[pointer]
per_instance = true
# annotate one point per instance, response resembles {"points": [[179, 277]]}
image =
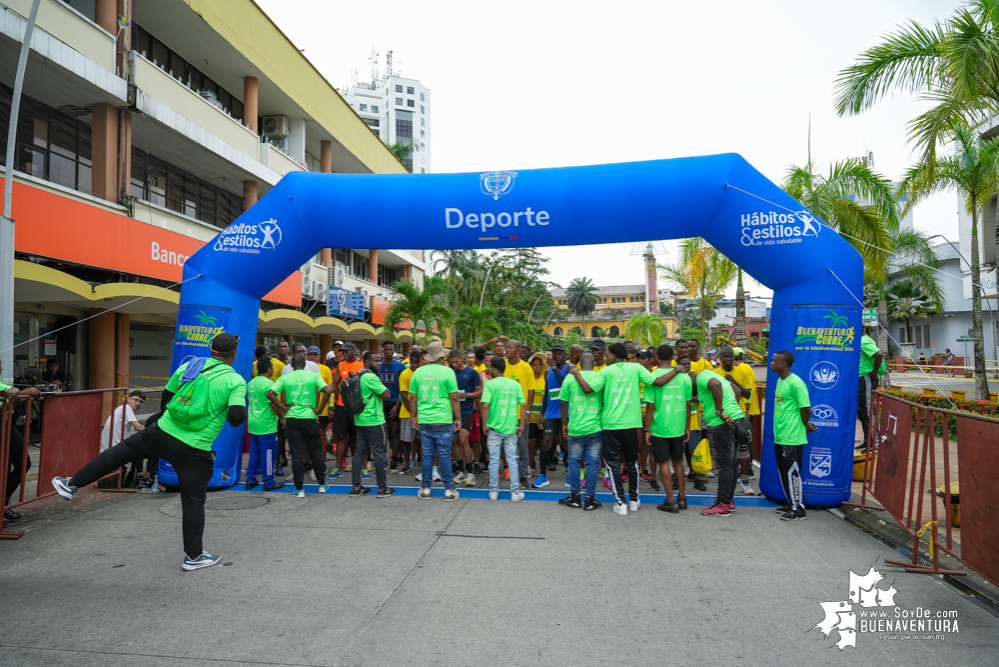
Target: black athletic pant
{"points": [[304, 433], [721, 438], [193, 467], [789, 459], [16, 454], [864, 389], [372, 442], [622, 444]]}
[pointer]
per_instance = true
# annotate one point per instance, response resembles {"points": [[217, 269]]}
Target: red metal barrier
{"points": [[896, 471], [6, 423]]}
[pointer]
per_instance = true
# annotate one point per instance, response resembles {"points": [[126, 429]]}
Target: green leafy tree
{"points": [[405, 150], [428, 305], [476, 325], [646, 328], [666, 309], [907, 302], [699, 256], [581, 297], [704, 276], [973, 170]]}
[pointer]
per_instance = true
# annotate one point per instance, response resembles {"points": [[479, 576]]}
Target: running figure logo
{"points": [[810, 225], [496, 183], [269, 229]]}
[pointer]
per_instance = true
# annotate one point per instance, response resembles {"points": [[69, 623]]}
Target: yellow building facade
{"points": [[616, 304]]}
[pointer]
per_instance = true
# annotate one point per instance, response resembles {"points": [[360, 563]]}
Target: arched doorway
{"points": [[613, 332]]}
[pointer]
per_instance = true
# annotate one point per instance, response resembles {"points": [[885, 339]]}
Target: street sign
{"points": [[870, 314], [965, 339], [344, 303]]}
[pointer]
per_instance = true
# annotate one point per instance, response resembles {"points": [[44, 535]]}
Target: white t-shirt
{"points": [[310, 366], [116, 420]]}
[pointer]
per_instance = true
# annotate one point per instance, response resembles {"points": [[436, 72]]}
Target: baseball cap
{"points": [[225, 343], [737, 351], [312, 350], [558, 347], [435, 351], [339, 342], [598, 345], [330, 355], [348, 346]]}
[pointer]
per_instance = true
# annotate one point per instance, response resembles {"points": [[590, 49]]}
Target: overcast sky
{"points": [[545, 83]]}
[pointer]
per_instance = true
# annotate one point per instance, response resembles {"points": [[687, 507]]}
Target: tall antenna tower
{"points": [[388, 64], [373, 59]]}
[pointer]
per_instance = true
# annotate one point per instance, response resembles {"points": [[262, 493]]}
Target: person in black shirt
{"points": [[53, 375]]}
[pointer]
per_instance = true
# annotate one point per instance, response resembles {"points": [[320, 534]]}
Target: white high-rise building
{"points": [[397, 109]]}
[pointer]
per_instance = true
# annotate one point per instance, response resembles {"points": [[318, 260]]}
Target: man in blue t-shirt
{"points": [[551, 411], [469, 390], [388, 374]]}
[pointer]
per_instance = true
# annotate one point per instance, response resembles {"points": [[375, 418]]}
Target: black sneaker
{"points": [[524, 483], [681, 503], [667, 506], [357, 493], [63, 487], [781, 509], [552, 466], [571, 500], [252, 483], [204, 560], [654, 485], [385, 493], [274, 487], [793, 515], [10, 516], [699, 485], [477, 469], [591, 503]]}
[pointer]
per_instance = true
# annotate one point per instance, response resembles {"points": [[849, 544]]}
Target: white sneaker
{"points": [[451, 495], [312, 475], [711, 473], [746, 488], [419, 477], [517, 496], [621, 509], [469, 479], [494, 495], [634, 505], [459, 478], [424, 494], [437, 476]]}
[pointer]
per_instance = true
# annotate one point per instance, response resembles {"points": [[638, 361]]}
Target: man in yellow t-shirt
{"points": [[521, 372], [261, 351], [408, 449], [598, 349]]}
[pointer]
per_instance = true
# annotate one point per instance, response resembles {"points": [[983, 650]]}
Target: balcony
{"points": [[72, 28], [192, 115], [274, 159]]}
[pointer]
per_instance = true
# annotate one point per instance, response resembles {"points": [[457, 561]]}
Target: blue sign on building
{"points": [[344, 303]]}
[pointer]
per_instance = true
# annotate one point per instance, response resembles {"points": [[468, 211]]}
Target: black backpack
{"points": [[350, 392]]}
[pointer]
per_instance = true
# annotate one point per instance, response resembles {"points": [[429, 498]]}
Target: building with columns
{"points": [[146, 127]]}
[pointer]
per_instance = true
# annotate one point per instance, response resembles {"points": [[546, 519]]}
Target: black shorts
{"points": [[553, 426], [387, 408], [534, 432], [343, 421], [466, 422], [667, 449], [324, 421]]}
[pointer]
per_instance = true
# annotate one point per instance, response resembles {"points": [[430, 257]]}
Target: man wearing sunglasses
{"points": [[208, 394]]}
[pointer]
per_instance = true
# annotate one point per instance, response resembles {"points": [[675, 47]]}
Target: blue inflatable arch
{"points": [[812, 271]]}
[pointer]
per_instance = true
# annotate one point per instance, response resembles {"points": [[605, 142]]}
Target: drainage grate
{"points": [[235, 503]]}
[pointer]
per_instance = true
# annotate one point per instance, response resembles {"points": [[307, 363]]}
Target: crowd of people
{"points": [[604, 412]]}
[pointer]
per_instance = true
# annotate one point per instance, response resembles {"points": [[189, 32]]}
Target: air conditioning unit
{"points": [[322, 291], [276, 127], [308, 287], [337, 273]]}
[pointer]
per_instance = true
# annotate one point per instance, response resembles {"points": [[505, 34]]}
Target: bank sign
{"points": [[344, 303], [824, 342]]}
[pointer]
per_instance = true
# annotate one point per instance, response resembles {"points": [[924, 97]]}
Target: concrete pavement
{"points": [[329, 580]]}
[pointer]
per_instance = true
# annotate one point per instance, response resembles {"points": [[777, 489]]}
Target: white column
{"points": [[296, 141]]}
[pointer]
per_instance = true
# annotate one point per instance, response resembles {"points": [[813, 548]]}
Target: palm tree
{"points": [[974, 171], [404, 150], [647, 329], [475, 324], [698, 255], [952, 64], [462, 269], [907, 302], [704, 276], [581, 296], [428, 305]]}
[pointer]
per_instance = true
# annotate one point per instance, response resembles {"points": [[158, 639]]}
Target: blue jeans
{"points": [[263, 451], [508, 441], [587, 446], [437, 441]]}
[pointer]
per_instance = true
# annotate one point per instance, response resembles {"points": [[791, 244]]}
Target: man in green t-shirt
{"points": [[582, 428], [792, 415], [500, 406], [720, 409], [222, 394], [263, 427], [871, 359], [667, 424], [306, 395], [372, 437], [433, 394]]}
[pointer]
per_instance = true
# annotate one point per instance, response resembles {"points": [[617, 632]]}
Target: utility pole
{"points": [[7, 223]]}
